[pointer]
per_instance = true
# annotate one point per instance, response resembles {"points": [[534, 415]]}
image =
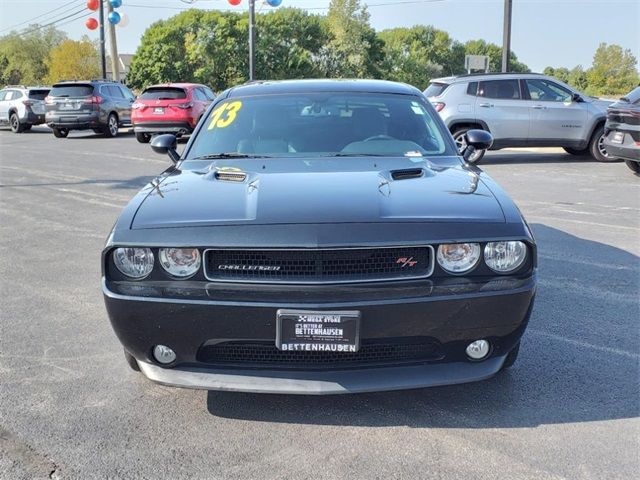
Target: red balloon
{"points": [[235, 2], [93, 4], [91, 23]]}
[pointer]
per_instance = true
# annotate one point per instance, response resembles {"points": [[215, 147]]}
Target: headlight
{"points": [[134, 262], [180, 262], [505, 257], [458, 257]]}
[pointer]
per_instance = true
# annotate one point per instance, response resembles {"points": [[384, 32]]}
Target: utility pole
{"points": [[103, 58], [113, 49], [252, 39], [506, 36]]}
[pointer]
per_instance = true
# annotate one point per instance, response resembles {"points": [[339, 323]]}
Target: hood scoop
{"points": [[407, 173], [229, 174]]}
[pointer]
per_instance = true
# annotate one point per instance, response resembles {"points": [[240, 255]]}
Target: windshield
{"points": [[322, 124], [38, 94], [163, 93], [67, 90], [435, 89]]}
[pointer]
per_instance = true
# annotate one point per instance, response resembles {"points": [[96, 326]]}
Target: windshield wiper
{"points": [[213, 156], [347, 154]]}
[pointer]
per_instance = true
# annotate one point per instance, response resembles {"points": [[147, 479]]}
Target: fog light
{"points": [[164, 354], [478, 350]]}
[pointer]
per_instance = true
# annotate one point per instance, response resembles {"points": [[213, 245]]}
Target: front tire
{"points": [[133, 363], [111, 129], [575, 151], [60, 132], [461, 143], [633, 166], [511, 357], [143, 137], [16, 126], [596, 147]]}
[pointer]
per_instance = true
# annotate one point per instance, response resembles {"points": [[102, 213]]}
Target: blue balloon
{"points": [[114, 17], [115, 4], [274, 3]]}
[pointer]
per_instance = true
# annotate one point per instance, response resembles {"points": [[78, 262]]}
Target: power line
{"points": [[40, 27], [42, 15]]}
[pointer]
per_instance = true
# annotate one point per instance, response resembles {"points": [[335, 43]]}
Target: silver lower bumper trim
{"points": [[324, 382]]}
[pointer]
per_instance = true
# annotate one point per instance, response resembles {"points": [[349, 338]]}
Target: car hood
{"points": [[323, 190]]}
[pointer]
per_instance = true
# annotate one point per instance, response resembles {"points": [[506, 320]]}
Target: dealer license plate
{"points": [[158, 110], [617, 137], [309, 331]]}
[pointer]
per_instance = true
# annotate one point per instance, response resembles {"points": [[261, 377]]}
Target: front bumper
{"points": [[445, 316], [324, 382]]}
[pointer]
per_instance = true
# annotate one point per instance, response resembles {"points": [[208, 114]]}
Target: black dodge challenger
{"points": [[320, 237]]}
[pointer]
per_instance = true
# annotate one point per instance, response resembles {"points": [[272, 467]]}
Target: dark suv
{"points": [[99, 105]]}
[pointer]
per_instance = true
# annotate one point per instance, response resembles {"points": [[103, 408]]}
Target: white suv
{"points": [[22, 107], [521, 110]]}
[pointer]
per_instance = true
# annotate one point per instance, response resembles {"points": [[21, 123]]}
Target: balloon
{"points": [[235, 2], [115, 3], [274, 3], [93, 4], [114, 17], [91, 23], [124, 20]]}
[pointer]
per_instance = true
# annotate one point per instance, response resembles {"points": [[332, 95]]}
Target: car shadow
{"points": [[129, 183], [90, 135], [491, 158], [579, 360]]}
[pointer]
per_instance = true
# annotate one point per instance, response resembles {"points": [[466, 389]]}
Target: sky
{"points": [[544, 33]]}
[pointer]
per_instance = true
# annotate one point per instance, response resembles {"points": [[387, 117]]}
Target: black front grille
{"points": [[265, 354], [319, 266]]}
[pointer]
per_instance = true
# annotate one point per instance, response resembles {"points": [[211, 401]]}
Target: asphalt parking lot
{"points": [[71, 408]]}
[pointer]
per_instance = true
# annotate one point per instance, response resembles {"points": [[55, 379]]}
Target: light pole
{"points": [[252, 40], [506, 36], [103, 59]]}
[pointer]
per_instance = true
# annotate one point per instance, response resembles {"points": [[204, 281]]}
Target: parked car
{"points": [[521, 110], [98, 105], [622, 130], [170, 108], [316, 237], [22, 107]]}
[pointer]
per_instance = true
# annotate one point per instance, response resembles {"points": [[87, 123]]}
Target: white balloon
{"points": [[124, 20]]}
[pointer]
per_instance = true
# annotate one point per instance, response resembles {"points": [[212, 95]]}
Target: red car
{"points": [[169, 108]]}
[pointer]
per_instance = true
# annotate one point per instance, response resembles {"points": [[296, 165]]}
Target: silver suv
{"points": [[521, 110], [22, 107]]}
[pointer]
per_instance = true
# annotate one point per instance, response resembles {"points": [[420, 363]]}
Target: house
{"points": [[124, 61]]}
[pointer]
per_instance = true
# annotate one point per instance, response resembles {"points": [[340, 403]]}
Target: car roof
{"points": [[481, 76], [271, 87], [176, 84]]}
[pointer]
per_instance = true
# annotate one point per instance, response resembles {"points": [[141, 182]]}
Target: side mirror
{"points": [[575, 97], [166, 145], [476, 140]]}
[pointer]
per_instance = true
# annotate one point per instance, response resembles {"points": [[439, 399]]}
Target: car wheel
{"points": [[143, 137], [511, 357], [633, 166], [575, 151], [27, 127], [60, 132], [111, 129], [133, 363], [461, 144], [597, 149], [16, 126]]}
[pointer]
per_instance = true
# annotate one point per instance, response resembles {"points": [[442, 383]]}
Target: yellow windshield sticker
{"points": [[225, 115]]}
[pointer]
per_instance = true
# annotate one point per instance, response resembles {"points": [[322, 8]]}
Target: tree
{"points": [[290, 44], [415, 55], [561, 73], [73, 59], [613, 71], [494, 52], [23, 54], [354, 50]]}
